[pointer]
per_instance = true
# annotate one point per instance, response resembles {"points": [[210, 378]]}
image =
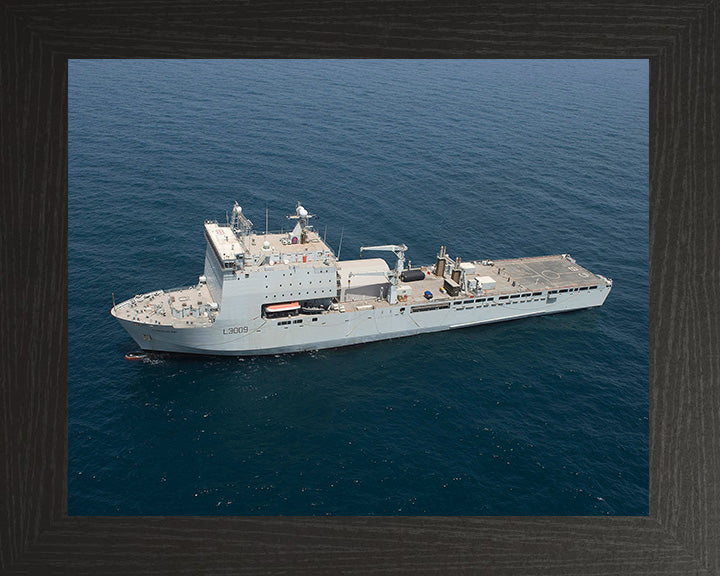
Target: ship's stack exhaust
{"points": [[457, 271], [440, 262]]}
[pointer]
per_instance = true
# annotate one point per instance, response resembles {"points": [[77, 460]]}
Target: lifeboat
{"points": [[287, 307]]}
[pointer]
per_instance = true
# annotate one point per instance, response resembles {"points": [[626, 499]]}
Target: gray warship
{"points": [[288, 292]]}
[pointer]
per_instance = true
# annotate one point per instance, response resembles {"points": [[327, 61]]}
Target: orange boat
{"points": [[287, 307]]}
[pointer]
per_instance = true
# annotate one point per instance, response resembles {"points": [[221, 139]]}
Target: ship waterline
{"points": [[279, 293]]}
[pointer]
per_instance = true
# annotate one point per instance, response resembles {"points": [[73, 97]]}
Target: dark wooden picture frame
{"points": [[681, 535]]}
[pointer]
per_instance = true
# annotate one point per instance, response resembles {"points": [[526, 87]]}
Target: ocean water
{"points": [[494, 159]]}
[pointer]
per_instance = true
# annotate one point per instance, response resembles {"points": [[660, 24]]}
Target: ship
{"points": [[285, 292]]}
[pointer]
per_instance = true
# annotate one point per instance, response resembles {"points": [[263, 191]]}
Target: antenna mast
{"points": [[302, 216], [239, 222], [341, 237]]}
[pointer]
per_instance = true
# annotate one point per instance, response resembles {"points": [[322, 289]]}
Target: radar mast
{"points": [[299, 233], [239, 223]]}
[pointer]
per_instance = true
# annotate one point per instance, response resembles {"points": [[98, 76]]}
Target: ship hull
{"points": [[336, 329]]}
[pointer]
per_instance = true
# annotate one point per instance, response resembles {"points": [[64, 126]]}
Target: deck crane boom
{"points": [[394, 276]]}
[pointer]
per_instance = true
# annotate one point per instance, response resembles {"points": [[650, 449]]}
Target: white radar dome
{"points": [[237, 209], [266, 245], [302, 212]]}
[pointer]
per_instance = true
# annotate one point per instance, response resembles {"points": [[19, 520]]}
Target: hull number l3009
{"points": [[236, 330]]}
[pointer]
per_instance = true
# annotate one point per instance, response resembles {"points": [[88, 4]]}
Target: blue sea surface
{"points": [[494, 159]]}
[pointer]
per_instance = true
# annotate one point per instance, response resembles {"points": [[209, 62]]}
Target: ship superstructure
{"points": [[287, 292]]}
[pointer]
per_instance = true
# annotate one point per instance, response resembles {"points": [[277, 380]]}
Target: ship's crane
{"points": [[394, 276], [379, 273]]}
